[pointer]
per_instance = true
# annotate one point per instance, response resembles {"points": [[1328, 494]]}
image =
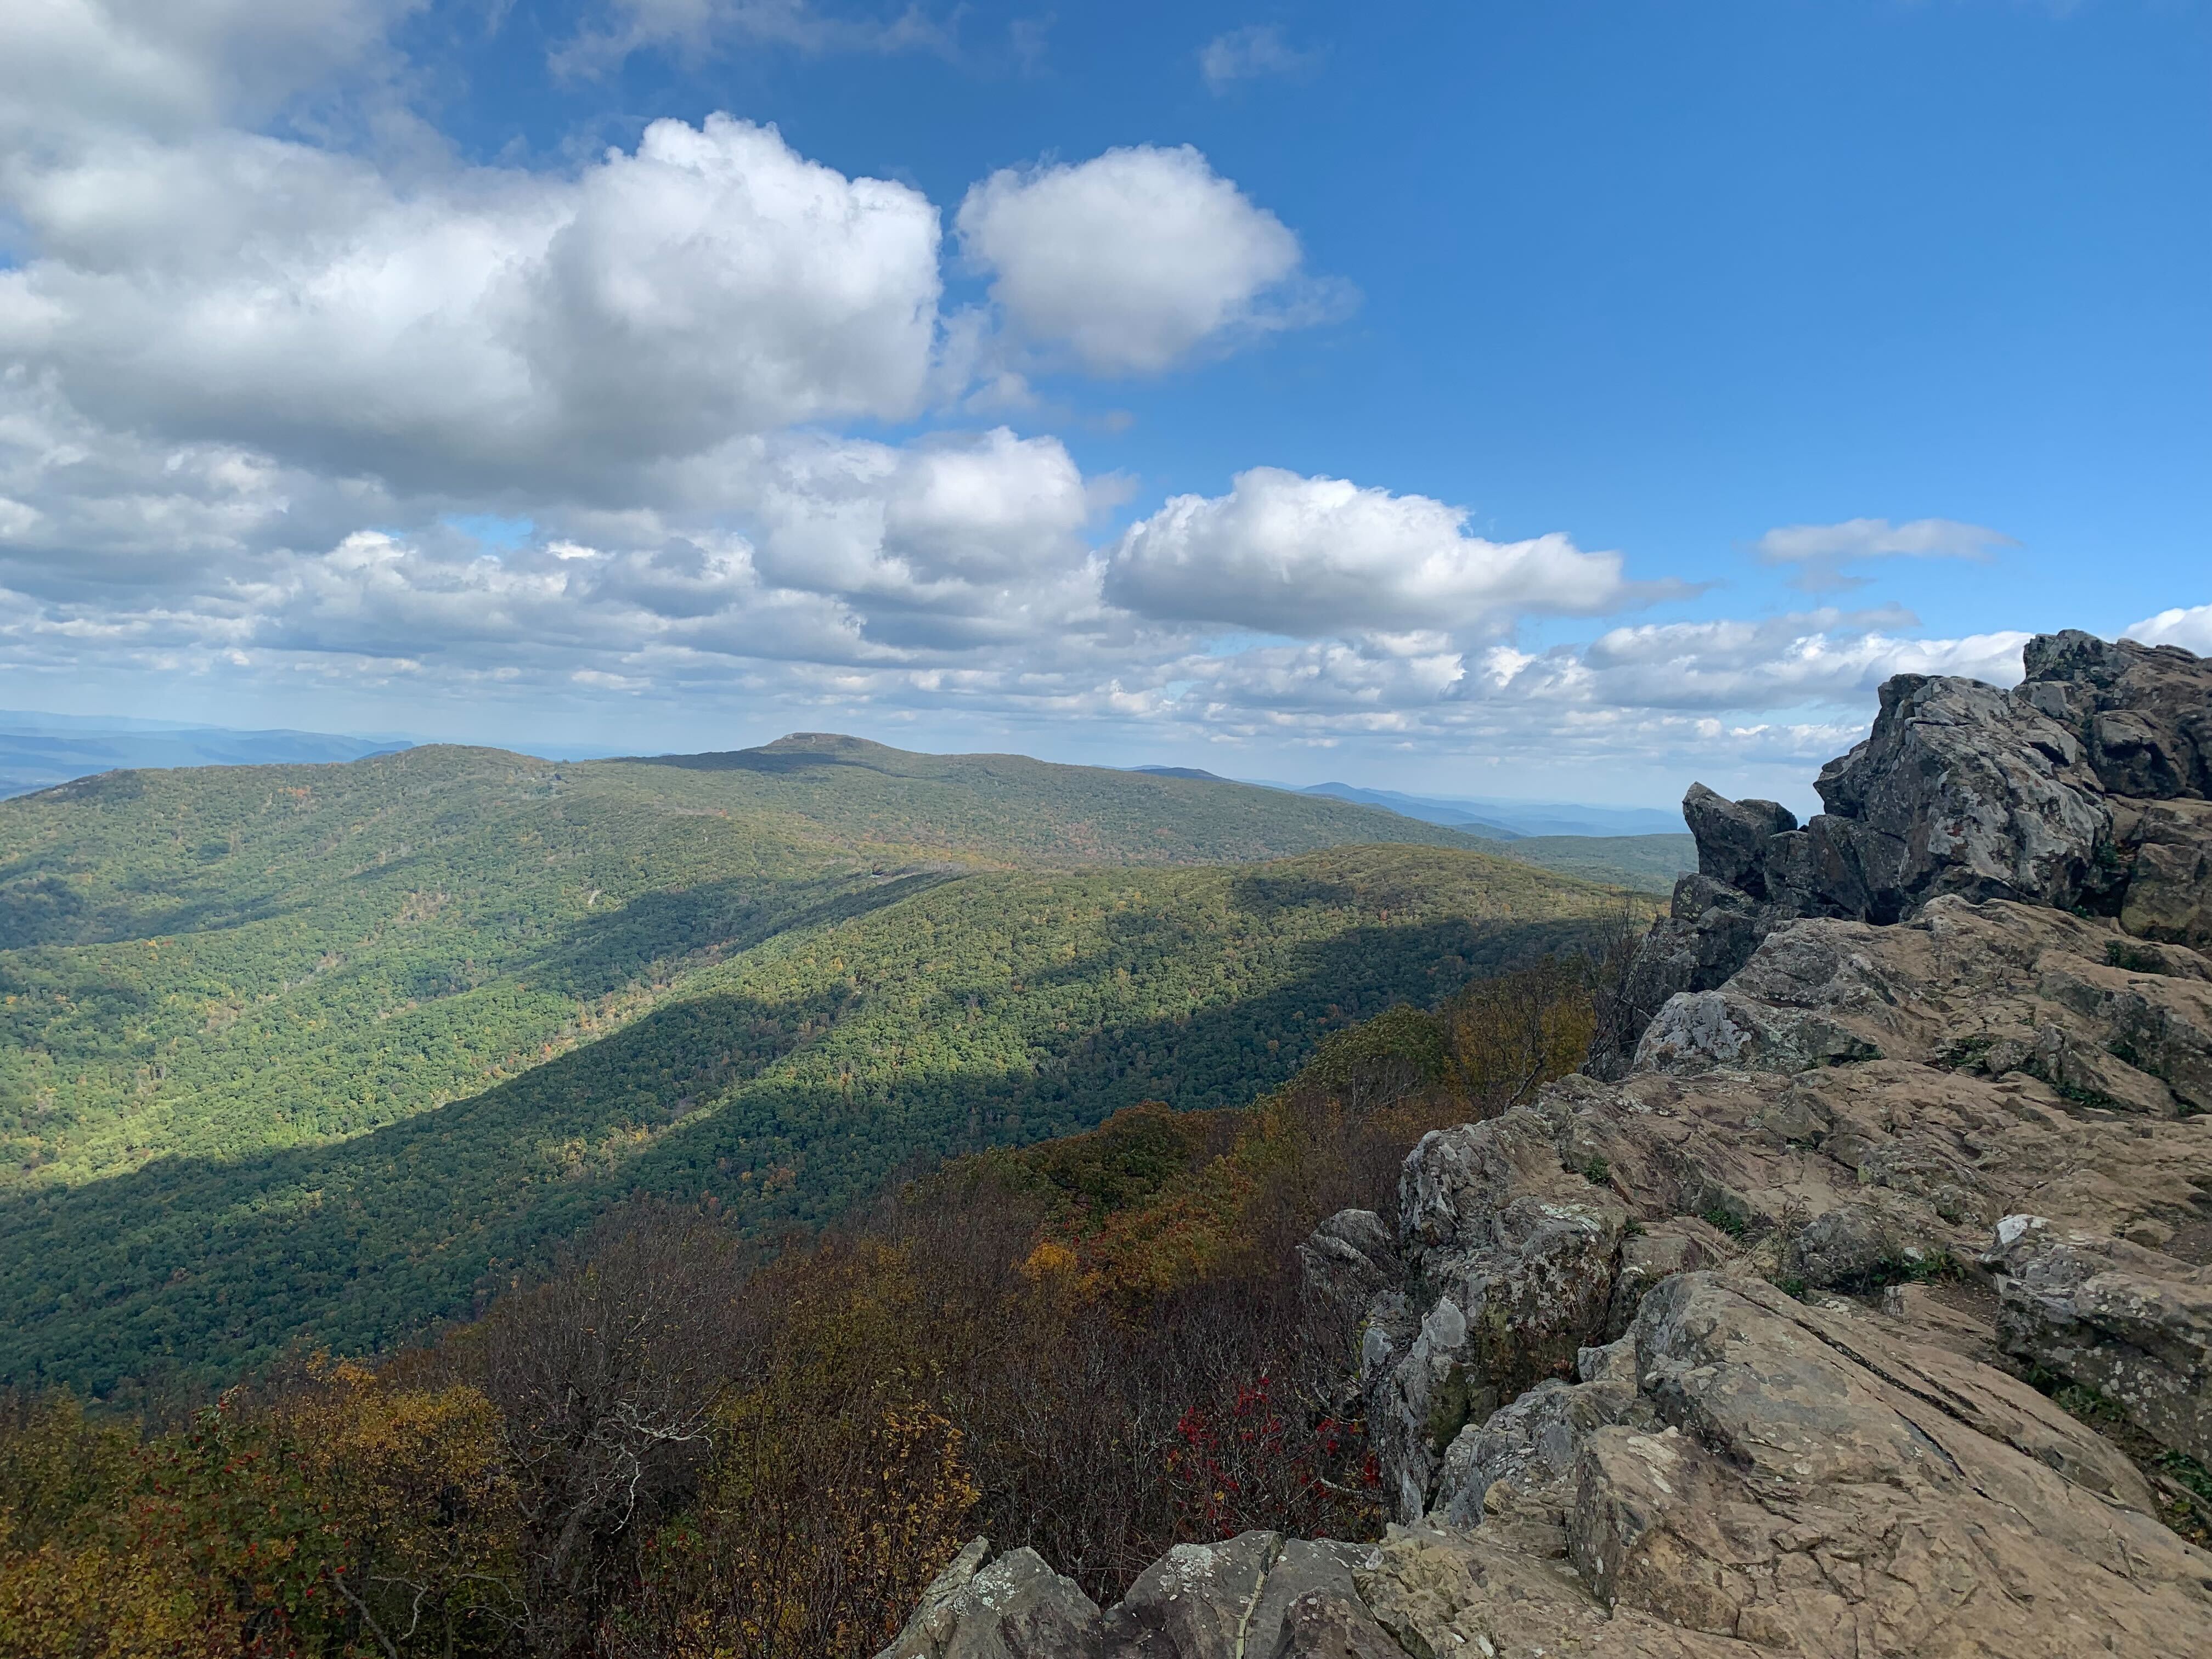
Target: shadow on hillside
{"points": [[1268, 891], [598, 954], [39, 905], [38, 909], [192, 1269], [750, 760]]}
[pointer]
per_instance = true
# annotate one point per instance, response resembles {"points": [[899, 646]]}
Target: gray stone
{"points": [[1733, 836], [1530, 1444], [1320, 1626], [2087, 786], [2144, 713], [1959, 788], [1680, 1245], [1847, 1247], [1317, 1570], [1711, 932], [1242, 1597], [2169, 892], [1017, 1607], [1196, 1601], [2132, 1323], [1517, 1253], [1349, 1257]]}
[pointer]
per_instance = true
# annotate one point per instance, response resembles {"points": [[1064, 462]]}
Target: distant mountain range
{"points": [[315, 1052], [1510, 818], [1496, 820], [38, 751]]}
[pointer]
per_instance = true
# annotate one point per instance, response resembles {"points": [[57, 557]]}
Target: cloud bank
{"points": [[260, 392], [2190, 628], [1282, 553]]}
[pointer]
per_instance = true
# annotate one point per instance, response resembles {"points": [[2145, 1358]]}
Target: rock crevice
{"points": [[1856, 1301]]}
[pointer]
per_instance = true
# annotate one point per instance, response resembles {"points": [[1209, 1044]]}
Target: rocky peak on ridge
{"points": [[2087, 787], [1857, 1301]]}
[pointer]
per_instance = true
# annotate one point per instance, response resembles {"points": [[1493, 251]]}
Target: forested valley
{"points": [[455, 1203], [685, 1441], [333, 1054]]}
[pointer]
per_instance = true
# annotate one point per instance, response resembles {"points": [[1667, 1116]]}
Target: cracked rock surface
{"points": [[1762, 1337], [2088, 786]]}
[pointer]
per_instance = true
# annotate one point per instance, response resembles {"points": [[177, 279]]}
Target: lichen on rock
{"points": [[1911, 1142]]}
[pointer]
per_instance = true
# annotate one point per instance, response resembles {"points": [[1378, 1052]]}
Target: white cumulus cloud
{"points": [[1313, 557], [169, 65], [1132, 260], [487, 328]]}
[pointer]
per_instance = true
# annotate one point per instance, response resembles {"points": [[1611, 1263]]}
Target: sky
{"points": [[1562, 401]]}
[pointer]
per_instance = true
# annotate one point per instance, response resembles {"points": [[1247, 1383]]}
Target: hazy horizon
{"points": [[1567, 401]]}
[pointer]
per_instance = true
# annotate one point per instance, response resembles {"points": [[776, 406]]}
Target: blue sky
{"points": [[1562, 400]]}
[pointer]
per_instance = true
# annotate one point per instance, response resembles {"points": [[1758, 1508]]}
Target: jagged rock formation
{"points": [[2085, 788], [1742, 1345], [1257, 1595]]}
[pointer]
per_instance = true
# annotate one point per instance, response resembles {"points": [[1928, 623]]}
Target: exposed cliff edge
{"points": [[2083, 788], [1746, 1342]]}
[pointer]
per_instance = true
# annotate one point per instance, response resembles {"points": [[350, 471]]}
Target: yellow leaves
{"points": [[1050, 1260], [73, 1580], [94, 1601], [347, 1488], [839, 1484]]}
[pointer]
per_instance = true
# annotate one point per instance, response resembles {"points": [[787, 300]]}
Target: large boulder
{"points": [[2131, 1322], [1014, 1607], [2168, 847], [2140, 711], [1785, 1479], [1959, 788], [1515, 1254], [2084, 788], [1348, 1258], [1259, 1595]]}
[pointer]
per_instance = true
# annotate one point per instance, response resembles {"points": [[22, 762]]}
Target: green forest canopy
{"points": [[329, 1050]]}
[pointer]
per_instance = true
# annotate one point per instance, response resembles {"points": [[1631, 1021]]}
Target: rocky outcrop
{"points": [[2134, 1324], [1860, 1106], [1349, 1257], [1755, 1339], [1257, 1596], [1513, 1254], [1781, 1478], [2084, 788], [1014, 1607]]}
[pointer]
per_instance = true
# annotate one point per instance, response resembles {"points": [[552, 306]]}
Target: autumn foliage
{"points": [[683, 1446]]}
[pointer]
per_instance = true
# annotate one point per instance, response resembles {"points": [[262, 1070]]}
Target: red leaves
{"points": [[1253, 1462]]}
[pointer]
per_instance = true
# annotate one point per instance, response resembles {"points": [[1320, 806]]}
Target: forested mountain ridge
{"points": [[211, 960], [320, 1049], [1017, 809]]}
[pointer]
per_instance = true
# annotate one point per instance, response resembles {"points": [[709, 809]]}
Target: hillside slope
{"points": [[1649, 864], [1016, 808], [318, 1049], [208, 962]]}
